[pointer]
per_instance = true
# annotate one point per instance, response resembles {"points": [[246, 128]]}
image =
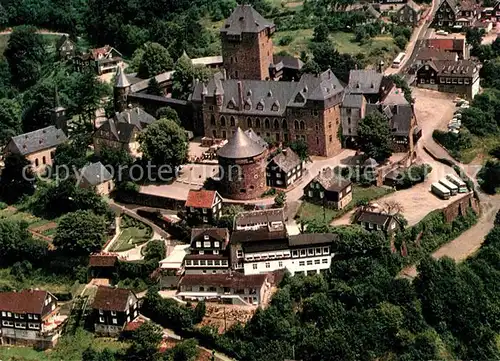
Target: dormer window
{"points": [[206, 237], [249, 93], [275, 107], [299, 98], [260, 105], [248, 104], [231, 104], [305, 89], [269, 93], [358, 86]]}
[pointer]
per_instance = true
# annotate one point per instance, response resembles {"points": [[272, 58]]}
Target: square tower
{"points": [[247, 47]]}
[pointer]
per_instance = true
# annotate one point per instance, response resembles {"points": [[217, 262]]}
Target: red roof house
{"points": [[203, 206]]}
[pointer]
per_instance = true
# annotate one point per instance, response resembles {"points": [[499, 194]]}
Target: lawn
{"points": [[481, 147], [54, 284], [69, 348], [133, 232], [310, 211], [300, 42]]}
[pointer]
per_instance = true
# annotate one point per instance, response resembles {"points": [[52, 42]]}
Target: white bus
{"points": [[462, 187], [440, 190], [397, 62], [451, 186]]}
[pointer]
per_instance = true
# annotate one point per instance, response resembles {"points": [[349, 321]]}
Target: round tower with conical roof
{"points": [[243, 167], [120, 90]]}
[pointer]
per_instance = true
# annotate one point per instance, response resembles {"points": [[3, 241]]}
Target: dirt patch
{"points": [[44, 227]]}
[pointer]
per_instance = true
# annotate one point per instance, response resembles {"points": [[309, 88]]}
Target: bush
{"points": [[454, 143], [400, 42], [269, 192], [285, 40], [413, 175]]}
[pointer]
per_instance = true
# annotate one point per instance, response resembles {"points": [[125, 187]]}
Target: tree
{"points": [[374, 136], [93, 355], [10, 119], [145, 342], [327, 57], [392, 207], [154, 61], [154, 87], [310, 67], [300, 148], [321, 33], [479, 122], [473, 36], [400, 42], [185, 76], [72, 155], [155, 250], [17, 243], [169, 113], [164, 143], [119, 159], [185, 351], [280, 199], [199, 312], [26, 54], [80, 233], [17, 178], [489, 176]]}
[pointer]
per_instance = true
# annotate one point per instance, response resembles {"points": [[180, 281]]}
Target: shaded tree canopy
{"points": [[374, 136], [155, 60]]}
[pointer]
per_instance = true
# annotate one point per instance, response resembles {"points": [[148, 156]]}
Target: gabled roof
{"points": [[433, 54], [364, 82], [95, 173], [256, 138], [220, 234], [121, 80], [120, 131], [111, 299], [39, 140], [102, 260], [62, 40], [374, 13], [201, 198], [459, 68], [240, 146], [245, 19], [446, 44], [330, 181], [25, 301], [286, 160], [412, 5], [380, 219], [135, 116], [287, 62], [451, 3], [260, 216], [401, 121]]}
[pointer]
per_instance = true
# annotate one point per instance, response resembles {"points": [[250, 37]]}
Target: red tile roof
{"points": [[111, 299], [446, 44], [101, 260], [103, 51], [200, 198], [234, 280], [26, 301]]}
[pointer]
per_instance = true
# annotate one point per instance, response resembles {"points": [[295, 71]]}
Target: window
{"points": [[280, 264], [302, 252], [35, 317], [278, 175], [257, 124], [203, 263], [3, 314], [295, 253], [239, 253], [232, 121], [16, 315], [115, 321], [210, 262], [254, 266], [309, 263], [284, 126], [302, 125], [268, 265], [20, 325], [113, 313], [216, 251], [33, 326], [101, 312], [198, 244], [30, 317], [7, 323], [317, 251], [206, 244], [267, 123], [249, 122], [310, 252], [324, 260], [44, 161], [223, 121], [325, 250], [302, 263], [316, 261]]}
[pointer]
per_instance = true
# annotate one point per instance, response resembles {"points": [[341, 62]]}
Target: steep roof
{"points": [[256, 138], [95, 173], [402, 119], [25, 301], [220, 234], [135, 116], [456, 68], [260, 216], [412, 5], [380, 219], [121, 80], [353, 101], [122, 132], [286, 160], [201, 198], [39, 140], [111, 299], [287, 62], [364, 81], [245, 19], [330, 181], [240, 146], [62, 40]]}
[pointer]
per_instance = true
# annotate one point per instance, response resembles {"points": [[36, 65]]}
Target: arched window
{"points": [[302, 125], [232, 121], [276, 124], [214, 133], [284, 124], [249, 122], [36, 162], [296, 125], [212, 120], [222, 121], [267, 123], [44, 161], [257, 123]]}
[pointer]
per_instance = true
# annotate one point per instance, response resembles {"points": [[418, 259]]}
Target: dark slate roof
{"points": [[459, 68], [245, 19], [451, 3], [380, 219], [240, 146], [95, 173], [287, 62], [111, 299], [402, 119], [38, 140], [135, 116], [62, 40], [121, 80], [353, 101], [305, 239], [269, 97], [121, 131], [256, 138], [220, 234], [330, 181], [260, 216], [364, 81], [287, 160], [261, 235]]}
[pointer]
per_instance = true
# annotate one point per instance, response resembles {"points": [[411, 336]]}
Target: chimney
{"points": [[240, 95], [284, 152], [128, 117], [224, 74]]}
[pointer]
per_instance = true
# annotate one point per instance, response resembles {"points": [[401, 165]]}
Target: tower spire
{"points": [[121, 79]]}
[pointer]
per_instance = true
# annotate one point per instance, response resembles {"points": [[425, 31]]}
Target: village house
{"points": [[30, 318], [460, 77], [208, 252], [232, 288], [107, 59], [433, 54], [329, 189], [456, 45], [38, 147], [112, 309], [377, 221], [120, 132], [491, 14], [446, 15], [284, 169], [102, 265], [95, 175], [409, 14], [369, 83], [65, 47], [203, 206], [391, 5], [270, 219]]}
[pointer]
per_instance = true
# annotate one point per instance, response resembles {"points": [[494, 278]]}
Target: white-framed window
{"points": [[278, 175], [201, 252], [302, 263], [206, 244], [216, 244], [34, 326], [30, 317], [101, 319], [309, 263], [198, 244], [310, 193], [316, 261], [326, 250], [216, 251], [393, 225], [7, 323], [101, 312], [268, 265], [16, 315], [295, 253], [20, 325], [324, 260], [239, 253], [115, 321], [302, 252], [280, 264], [35, 317], [4, 314], [113, 313], [310, 252], [254, 266], [205, 219], [317, 251]]}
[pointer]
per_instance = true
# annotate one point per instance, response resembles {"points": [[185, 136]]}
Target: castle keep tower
{"points": [[243, 163], [121, 90], [247, 48]]}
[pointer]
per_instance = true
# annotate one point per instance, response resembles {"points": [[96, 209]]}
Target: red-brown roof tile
{"points": [[26, 301], [111, 299], [100, 260], [200, 198]]}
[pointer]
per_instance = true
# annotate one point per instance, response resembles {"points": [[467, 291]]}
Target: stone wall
{"points": [[149, 200], [460, 207]]}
